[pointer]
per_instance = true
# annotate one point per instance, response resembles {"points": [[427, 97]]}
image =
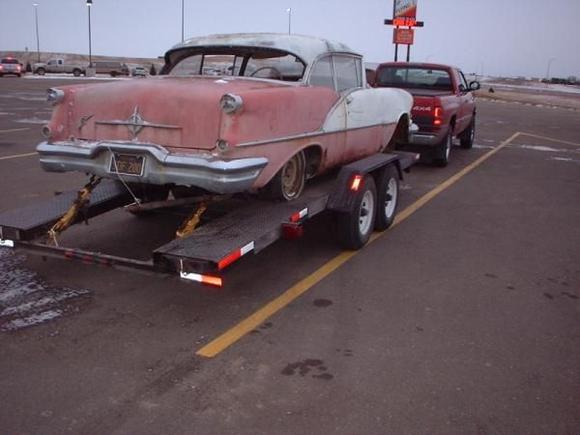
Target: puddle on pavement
{"points": [[26, 300]]}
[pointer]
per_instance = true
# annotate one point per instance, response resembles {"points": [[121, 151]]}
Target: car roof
{"points": [[306, 48], [418, 65]]}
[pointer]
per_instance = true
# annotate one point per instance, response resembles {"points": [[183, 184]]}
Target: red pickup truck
{"points": [[443, 107]]}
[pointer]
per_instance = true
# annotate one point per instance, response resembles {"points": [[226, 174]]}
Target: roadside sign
{"points": [[403, 36], [405, 9]]}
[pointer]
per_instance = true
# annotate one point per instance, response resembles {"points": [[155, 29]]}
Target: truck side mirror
{"points": [[474, 86]]}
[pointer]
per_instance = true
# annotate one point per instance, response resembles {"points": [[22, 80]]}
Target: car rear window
{"points": [[416, 78], [11, 61]]}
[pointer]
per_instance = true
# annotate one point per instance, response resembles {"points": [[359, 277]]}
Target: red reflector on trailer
{"points": [[235, 255], [296, 217], [292, 231], [356, 183]]}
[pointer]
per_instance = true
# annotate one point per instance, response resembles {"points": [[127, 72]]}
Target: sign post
{"points": [[405, 20]]}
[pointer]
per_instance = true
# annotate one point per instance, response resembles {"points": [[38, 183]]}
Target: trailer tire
{"points": [[387, 197], [355, 227]]}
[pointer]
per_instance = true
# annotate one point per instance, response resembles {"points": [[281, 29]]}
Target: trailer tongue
{"points": [[250, 225]]}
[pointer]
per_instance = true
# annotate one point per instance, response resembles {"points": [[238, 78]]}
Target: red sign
{"points": [[404, 22], [405, 8], [403, 36]]}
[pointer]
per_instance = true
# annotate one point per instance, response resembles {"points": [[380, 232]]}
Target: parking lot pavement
{"points": [[463, 318]]}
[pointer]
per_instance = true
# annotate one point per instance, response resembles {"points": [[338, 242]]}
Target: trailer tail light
{"points": [[235, 255], [356, 183]]}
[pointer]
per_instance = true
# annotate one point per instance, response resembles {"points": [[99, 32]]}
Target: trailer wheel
{"points": [[444, 150], [468, 136], [355, 227], [387, 197]]}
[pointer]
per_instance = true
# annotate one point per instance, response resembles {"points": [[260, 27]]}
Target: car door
{"points": [[334, 127], [467, 103]]}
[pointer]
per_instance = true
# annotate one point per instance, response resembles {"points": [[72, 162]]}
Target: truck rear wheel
{"points": [[444, 150], [387, 197], [468, 136], [355, 227], [41, 71], [77, 72]]}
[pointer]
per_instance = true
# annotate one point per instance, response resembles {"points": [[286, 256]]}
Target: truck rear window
{"points": [[10, 61], [415, 78]]}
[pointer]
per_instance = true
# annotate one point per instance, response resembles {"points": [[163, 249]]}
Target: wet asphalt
{"points": [[462, 319]]}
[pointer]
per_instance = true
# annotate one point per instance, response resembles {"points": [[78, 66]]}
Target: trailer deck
{"points": [[249, 225]]}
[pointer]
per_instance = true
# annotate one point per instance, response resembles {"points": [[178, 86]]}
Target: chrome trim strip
{"points": [[307, 135]]}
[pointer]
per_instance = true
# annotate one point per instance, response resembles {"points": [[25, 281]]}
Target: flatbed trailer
{"points": [[250, 225]]}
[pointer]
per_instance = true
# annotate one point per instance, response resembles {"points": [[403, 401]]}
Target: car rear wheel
{"points": [[387, 197], [468, 136], [444, 150], [289, 182], [355, 227]]}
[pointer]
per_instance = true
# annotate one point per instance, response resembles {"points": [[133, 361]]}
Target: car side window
{"points": [[348, 72], [321, 74]]}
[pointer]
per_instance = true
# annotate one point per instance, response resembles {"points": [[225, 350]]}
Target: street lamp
{"points": [[289, 10], [37, 38], [552, 59], [182, 20], [89, 4]]}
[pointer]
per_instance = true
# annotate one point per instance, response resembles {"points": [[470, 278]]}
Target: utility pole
{"points": [[289, 10], [552, 59], [37, 37]]}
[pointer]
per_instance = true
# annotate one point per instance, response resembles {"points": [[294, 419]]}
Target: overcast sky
{"points": [[502, 37]]}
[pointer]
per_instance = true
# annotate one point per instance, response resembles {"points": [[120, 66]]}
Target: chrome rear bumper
{"points": [[159, 167]]}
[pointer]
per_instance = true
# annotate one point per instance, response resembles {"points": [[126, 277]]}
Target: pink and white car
{"points": [[229, 113]]}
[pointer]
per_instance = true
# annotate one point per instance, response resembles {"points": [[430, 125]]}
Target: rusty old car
{"points": [[228, 113]]}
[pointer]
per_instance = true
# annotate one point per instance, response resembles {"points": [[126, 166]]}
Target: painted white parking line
{"points": [[17, 156]]}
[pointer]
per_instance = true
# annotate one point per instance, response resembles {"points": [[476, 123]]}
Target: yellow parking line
{"points": [[551, 139], [17, 156], [13, 130], [234, 334]]}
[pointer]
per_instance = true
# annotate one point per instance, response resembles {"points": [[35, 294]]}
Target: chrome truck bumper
{"points": [[159, 165]]}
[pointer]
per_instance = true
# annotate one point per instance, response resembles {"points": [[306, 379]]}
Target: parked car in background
{"points": [[139, 71], [113, 68], [59, 66], [292, 108], [443, 107], [10, 66]]}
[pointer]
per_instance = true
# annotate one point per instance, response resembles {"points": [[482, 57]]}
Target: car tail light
{"points": [[1, 67], [18, 68]]}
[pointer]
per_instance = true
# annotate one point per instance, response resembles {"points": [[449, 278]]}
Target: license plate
{"points": [[127, 164]]}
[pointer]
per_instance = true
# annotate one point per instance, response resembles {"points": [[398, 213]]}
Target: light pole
{"points": [[289, 10], [37, 37], [182, 20], [552, 59], [89, 4]]}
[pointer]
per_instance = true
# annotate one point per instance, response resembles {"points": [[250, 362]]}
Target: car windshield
{"points": [[414, 78], [10, 61], [270, 65]]}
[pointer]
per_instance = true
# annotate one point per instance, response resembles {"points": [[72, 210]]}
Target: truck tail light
{"points": [[437, 116]]}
